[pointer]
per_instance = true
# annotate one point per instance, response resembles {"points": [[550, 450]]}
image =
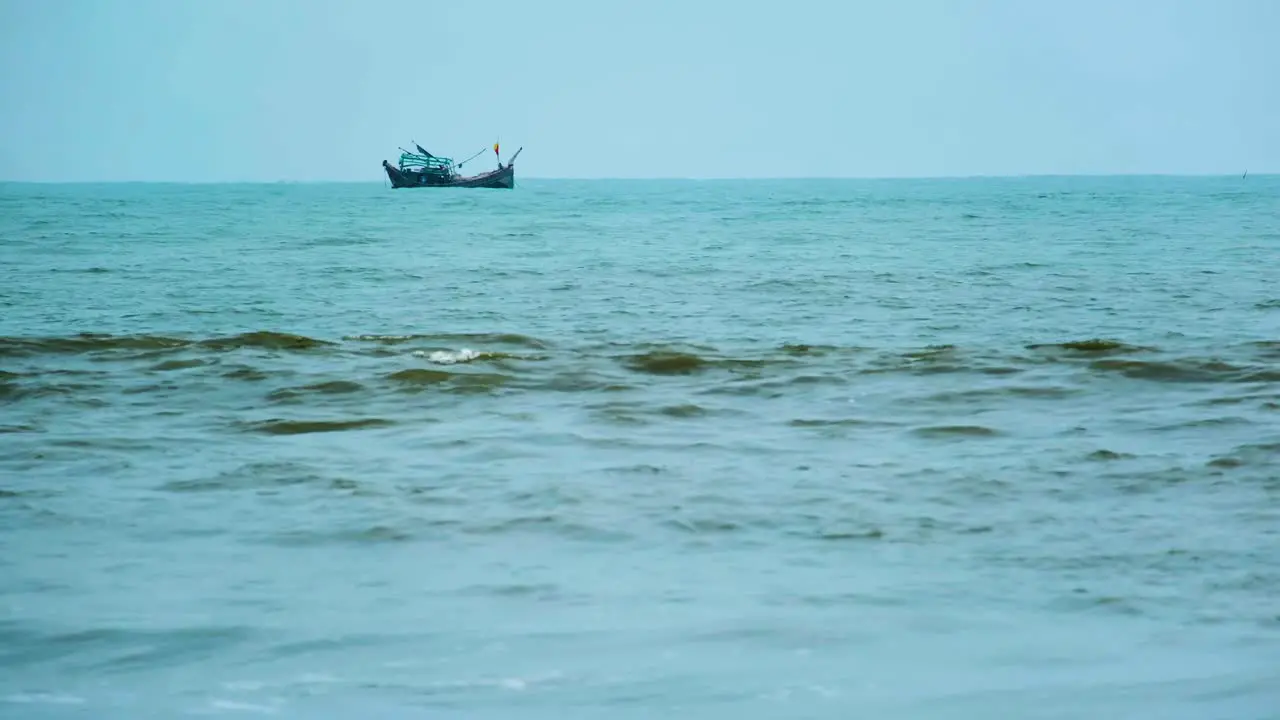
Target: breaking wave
{"points": [[507, 339], [454, 357]]}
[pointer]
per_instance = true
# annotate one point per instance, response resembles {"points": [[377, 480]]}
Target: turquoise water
{"points": [[893, 449]]}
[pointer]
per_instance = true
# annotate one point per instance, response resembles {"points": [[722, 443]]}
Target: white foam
{"points": [[242, 707], [43, 699], [450, 357], [506, 683]]}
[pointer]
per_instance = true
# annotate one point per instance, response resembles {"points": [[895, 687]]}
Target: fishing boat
{"points": [[422, 169]]}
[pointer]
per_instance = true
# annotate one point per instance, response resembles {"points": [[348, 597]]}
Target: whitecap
{"points": [[450, 357]]}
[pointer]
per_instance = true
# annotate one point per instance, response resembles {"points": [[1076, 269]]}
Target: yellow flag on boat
{"points": [[495, 148]]}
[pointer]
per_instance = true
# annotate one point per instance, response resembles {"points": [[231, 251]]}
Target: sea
{"points": [[954, 448]]}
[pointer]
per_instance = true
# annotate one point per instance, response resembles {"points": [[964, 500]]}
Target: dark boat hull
{"points": [[503, 178]]}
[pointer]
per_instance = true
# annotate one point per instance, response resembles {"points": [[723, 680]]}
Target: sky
{"points": [[322, 90]]}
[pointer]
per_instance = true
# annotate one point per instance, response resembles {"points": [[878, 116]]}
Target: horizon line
{"points": [[554, 178]]}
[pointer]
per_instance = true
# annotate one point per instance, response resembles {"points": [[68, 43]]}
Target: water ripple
{"points": [[332, 450]]}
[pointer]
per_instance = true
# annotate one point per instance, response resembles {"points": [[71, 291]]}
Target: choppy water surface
{"points": [[797, 449]]}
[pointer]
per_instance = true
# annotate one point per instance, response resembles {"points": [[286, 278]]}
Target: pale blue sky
{"points": [[218, 90]]}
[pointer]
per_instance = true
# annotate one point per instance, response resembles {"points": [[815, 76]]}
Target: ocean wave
{"points": [[421, 376], [988, 394], [456, 357], [510, 339], [170, 365], [315, 368], [1190, 370], [840, 425], [266, 340], [681, 361], [256, 476], [1105, 455], [558, 524], [116, 648], [373, 534], [1263, 455], [1268, 349], [246, 373], [92, 343], [941, 431], [302, 427], [638, 350], [330, 387], [418, 379], [666, 363], [85, 343], [687, 410], [1092, 346]]}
